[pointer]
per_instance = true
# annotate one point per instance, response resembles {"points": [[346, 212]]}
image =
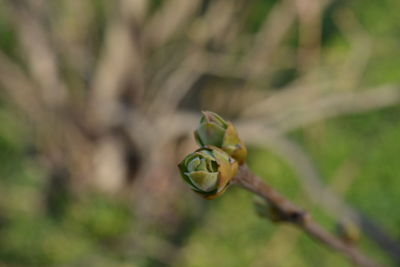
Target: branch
{"points": [[314, 187], [293, 214]]}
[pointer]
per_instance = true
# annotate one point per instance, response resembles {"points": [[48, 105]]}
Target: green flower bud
{"points": [[215, 131], [208, 171], [348, 231], [266, 210]]}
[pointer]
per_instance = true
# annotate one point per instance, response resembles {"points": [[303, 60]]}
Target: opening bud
{"points": [[208, 171]]}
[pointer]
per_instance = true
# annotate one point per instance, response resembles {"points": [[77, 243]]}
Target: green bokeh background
{"points": [[93, 228]]}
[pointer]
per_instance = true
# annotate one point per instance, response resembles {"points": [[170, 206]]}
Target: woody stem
{"points": [[297, 216]]}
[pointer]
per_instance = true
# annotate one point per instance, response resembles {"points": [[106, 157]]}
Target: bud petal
{"points": [[193, 164], [206, 181], [210, 134], [212, 117]]}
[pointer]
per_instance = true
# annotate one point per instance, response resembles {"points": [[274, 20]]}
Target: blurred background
{"points": [[99, 99]]}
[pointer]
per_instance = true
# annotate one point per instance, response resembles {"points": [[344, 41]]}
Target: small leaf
{"points": [[183, 170], [193, 164], [206, 153], [204, 181], [203, 165]]}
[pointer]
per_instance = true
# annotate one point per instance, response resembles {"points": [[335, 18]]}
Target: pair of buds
{"points": [[209, 170]]}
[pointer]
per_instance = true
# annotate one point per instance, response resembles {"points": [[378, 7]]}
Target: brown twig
{"points": [[293, 214], [318, 193]]}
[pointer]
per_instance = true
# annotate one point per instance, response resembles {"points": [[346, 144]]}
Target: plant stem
{"points": [[293, 214]]}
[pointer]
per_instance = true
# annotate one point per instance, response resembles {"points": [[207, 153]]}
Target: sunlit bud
{"points": [[208, 171]]}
